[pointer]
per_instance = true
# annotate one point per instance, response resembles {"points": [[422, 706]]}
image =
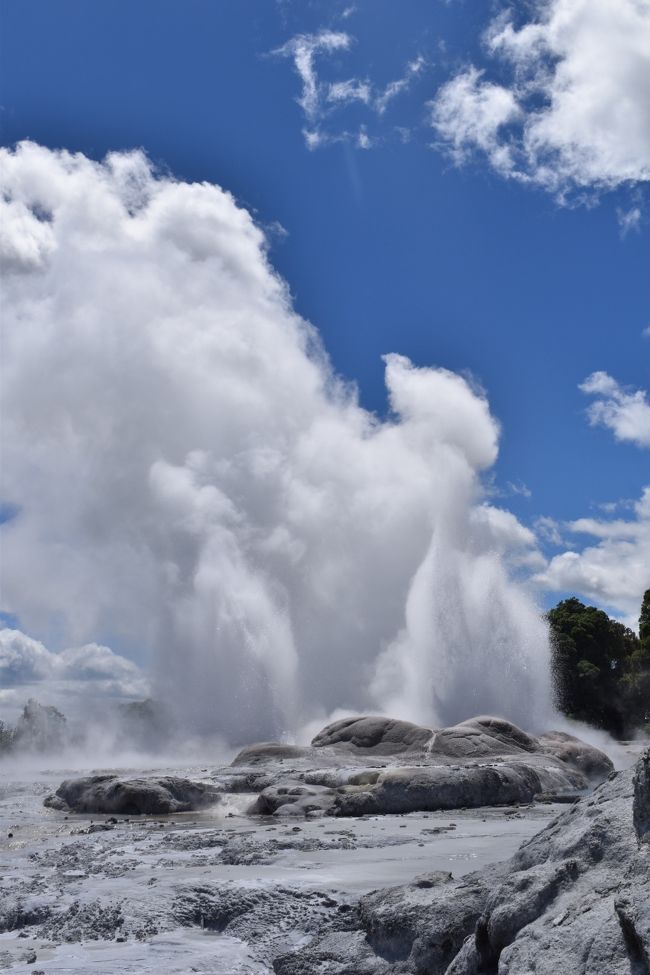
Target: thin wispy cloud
{"points": [[629, 220], [351, 90], [518, 487], [320, 98], [303, 49], [395, 88]]}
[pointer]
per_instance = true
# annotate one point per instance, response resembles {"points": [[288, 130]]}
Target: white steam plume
{"points": [[196, 486]]}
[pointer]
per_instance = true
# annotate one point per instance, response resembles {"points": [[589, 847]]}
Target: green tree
{"points": [[591, 657], [637, 679], [644, 624]]}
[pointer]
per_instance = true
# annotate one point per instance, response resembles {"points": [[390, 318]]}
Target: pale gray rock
{"points": [[377, 735], [122, 796], [591, 761], [482, 737], [486, 736], [269, 751], [293, 799], [271, 918], [335, 953], [374, 766], [575, 898], [403, 790], [641, 811]]}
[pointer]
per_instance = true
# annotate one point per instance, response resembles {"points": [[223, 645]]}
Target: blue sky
{"points": [[398, 230]]}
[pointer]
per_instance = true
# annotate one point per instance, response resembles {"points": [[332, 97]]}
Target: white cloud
{"points": [[303, 50], [646, 332], [575, 112], [549, 530], [22, 660], [629, 220], [320, 98], [79, 675], [500, 530], [363, 139], [614, 572], [194, 478], [470, 113], [400, 85], [626, 413], [349, 91], [519, 488]]}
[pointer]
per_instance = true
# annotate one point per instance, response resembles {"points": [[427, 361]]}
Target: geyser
{"points": [[198, 489]]}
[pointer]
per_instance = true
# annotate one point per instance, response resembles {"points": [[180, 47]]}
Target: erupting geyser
{"points": [[198, 487]]}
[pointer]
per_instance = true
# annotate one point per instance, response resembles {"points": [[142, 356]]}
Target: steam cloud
{"points": [[196, 487]]}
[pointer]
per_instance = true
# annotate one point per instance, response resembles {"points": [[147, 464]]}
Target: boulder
{"points": [[593, 763], [293, 799], [269, 751], [131, 797], [372, 734], [403, 790], [482, 737]]}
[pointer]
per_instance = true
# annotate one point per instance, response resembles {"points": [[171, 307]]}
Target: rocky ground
{"points": [[335, 860]]}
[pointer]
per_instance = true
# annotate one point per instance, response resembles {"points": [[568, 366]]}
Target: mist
{"points": [[195, 487]]}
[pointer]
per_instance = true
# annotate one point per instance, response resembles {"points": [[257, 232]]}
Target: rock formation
{"points": [[574, 899], [387, 766], [129, 797]]}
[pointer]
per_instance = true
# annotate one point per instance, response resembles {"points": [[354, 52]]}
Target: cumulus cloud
{"points": [[320, 97], [470, 113], [194, 479], [574, 112], [77, 676], [613, 572], [625, 412]]}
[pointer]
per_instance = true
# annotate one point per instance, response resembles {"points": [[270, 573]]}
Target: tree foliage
{"points": [[601, 668]]}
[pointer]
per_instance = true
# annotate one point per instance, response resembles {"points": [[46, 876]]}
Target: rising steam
{"points": [[196, 487]]}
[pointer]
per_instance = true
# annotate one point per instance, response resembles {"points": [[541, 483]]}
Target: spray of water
{"points": [[196, 487]]}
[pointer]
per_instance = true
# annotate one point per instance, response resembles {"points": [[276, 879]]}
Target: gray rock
{"points": [[575, 898], [482, 737], [403, 790], [593, 763], [383, 736], [293, 799], [112, 794], [641, 809], [486, 736], [335, 953], [269, 751], [480, 762]]}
